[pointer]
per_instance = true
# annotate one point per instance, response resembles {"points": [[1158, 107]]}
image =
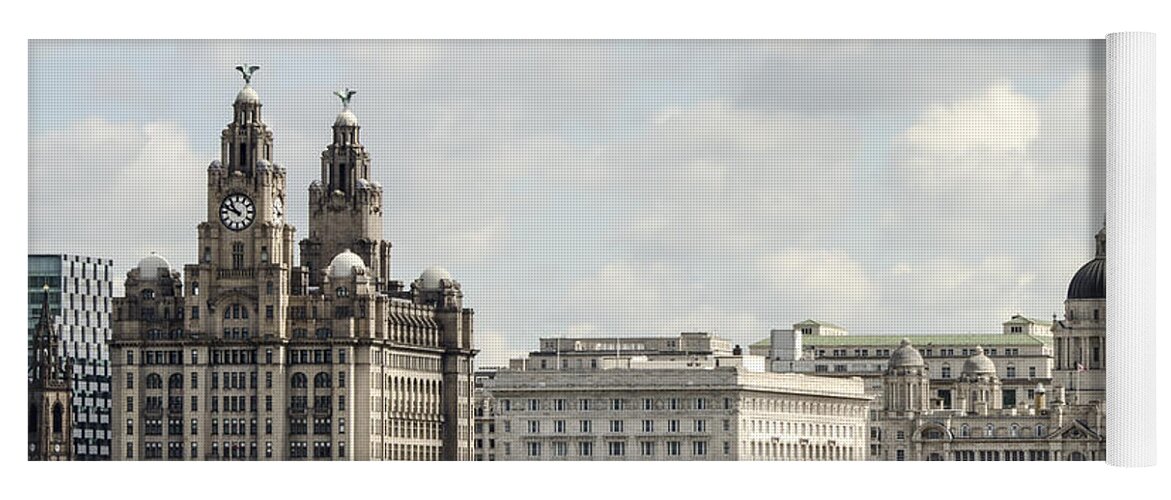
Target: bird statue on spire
{"points": [[345, 96], [247, 71]]}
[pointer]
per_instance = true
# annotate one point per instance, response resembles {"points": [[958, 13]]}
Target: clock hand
{"points": [[232, 207]]}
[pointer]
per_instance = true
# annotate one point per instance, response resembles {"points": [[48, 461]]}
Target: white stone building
{"points": [[636, 409]]}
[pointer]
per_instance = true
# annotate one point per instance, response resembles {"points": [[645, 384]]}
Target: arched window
{"points": [[1040, 430], [58, 413], [194, 288], [965, 431], [321, 380], [342, 292], [988, 430], [175, 381], [264, 254], [300, 381], [148, 294], [154, 381], [268, 288], [1016, 430], [227, 313]]}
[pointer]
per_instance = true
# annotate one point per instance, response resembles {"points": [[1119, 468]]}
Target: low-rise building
{"points": [[639, 408]]}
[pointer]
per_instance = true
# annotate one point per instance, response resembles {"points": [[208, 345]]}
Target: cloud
{"points": [[115, 190]]}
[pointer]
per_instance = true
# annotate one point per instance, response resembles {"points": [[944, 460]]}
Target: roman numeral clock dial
{"points": [[237, 212]]}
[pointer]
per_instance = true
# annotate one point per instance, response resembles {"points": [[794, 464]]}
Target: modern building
{"points": [[977, 425], [726, 407], [80, 290], [247, 355], [50, 390]]}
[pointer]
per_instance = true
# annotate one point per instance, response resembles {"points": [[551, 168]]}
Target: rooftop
{"points": [[920, 341]]}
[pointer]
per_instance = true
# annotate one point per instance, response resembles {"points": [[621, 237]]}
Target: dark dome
{"points": [[1090, 281]]}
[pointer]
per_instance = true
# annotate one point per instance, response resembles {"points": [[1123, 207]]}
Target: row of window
{"points": [[648, 404], [613, 448], [615, 426]]}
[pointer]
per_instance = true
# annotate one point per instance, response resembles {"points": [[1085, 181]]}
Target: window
{"points": [[672, 426], [616, 448], [648, 426], [699, 448], [617, 404], [534, 405], [701, 426], [1032, 372], [647, 448], [129, 380], [586, 426], [648, 404], [559, 426], [584, 449], [534, 449], [1010, 372], [700, 404], [945, 371], [195, 427], [900, 455], [673, 448], [534, 426], [238, 254], [615, 426], [584, 405]]}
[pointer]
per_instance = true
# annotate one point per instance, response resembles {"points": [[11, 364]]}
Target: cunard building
{"points": [[246, 355]]}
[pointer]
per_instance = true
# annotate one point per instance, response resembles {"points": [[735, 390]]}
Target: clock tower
{"points": [[50, 393], [245, 245]]}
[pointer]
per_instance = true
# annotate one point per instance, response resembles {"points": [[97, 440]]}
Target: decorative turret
{"points": [[906, 386], [345, 206], [978, 386], [247, 139]]}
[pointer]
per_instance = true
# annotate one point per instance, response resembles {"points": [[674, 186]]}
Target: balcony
{"points": [[247, 273]]}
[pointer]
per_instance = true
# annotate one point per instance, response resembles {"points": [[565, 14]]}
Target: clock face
{"points": [[278, 209], [237, 212]]}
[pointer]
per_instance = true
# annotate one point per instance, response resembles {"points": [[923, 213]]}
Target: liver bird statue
{"points": [[247, 71], [345, 96]]}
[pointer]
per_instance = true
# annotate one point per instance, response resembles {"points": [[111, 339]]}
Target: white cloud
{"points": [[115, 190]]}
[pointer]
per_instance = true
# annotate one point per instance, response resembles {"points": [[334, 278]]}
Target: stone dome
{"points": [[979, 364], [346, 119], [1089, 282], [343, 264], [152, 266], [247, 95], [431, 278], [906, 355]]}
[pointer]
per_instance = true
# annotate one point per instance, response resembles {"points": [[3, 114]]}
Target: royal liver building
{"points": [[248, 356]]}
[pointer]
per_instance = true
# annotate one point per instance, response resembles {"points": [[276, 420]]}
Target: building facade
{"points": [[1023, 350], [80, 290], [50, 392], [1080, 337], [978, 427], [639, 409], [249, 356]]}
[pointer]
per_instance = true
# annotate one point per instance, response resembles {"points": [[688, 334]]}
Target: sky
{"points": [[620, 188]]}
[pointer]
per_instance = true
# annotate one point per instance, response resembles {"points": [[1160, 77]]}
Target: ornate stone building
{"points": [[50, 393], [1080, 337], [639, 407], [978, 427], [249, 356]]}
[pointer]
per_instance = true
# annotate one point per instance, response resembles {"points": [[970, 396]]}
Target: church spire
{"points": [[47, 363]]}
